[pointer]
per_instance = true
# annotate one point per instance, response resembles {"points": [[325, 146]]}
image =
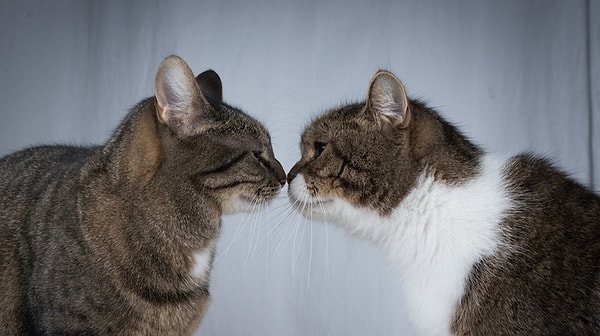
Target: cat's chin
{"points": [[244, 204]]}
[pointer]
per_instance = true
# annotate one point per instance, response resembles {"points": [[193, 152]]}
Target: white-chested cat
{"points": [[119, 239], [484, 245]]}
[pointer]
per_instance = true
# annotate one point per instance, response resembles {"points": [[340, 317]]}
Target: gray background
{"points": [[514, 75]]}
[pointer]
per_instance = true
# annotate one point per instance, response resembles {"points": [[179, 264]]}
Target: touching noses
{"points": [[279, 172], [293, 172]]}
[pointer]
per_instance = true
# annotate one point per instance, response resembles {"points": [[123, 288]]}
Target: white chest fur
{"points": [[202, 263], [433, 238]]}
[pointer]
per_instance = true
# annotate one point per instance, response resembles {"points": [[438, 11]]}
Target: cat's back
{"points": [[34, 184], [547, 197], [547, 274], [41, 160], [22, 171], [26, 175], [34, 181]]}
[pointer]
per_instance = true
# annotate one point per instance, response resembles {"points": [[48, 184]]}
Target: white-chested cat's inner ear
{"points": [[181, 104], [387, 100]]}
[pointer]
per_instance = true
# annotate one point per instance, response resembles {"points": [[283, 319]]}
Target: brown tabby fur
{"points": [[100, 240]]}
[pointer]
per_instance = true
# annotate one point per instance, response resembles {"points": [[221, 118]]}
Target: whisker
{"points": [[269, 233], [243, 223], [326, 241], [260, 223], [294, 257], [251, 235], [292, 214], [310, 254]]}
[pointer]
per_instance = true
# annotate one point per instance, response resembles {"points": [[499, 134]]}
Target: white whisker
{"points": [[310, 253], [289, 214], [240, 228], [251, 234], [326, 241]]}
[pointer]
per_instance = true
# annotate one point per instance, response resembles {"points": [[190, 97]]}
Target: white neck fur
{"points": [[434, 237]]}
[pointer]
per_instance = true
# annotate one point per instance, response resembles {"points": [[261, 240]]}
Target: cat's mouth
{"points": [[248, 204], [303, 200]]}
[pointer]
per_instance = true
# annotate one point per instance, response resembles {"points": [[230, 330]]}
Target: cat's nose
{"points": [[290, 177], [293, 172], [282, 179], [279, 172]]}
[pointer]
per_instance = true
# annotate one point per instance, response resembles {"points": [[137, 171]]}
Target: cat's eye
{"points": [[319, 148], [258, 156]]}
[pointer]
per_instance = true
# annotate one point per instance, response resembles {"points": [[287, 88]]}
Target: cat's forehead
{"points": [[240, 129], [333, 121]]}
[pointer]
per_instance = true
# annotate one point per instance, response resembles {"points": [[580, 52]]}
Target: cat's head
{"points": [[360, 156], [195, 144]]}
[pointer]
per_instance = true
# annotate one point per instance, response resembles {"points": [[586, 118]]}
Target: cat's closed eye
{"points": [[319, 148], [258, 156]]}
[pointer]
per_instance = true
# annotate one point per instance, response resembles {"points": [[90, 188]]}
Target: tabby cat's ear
{"points": [[181, 105], [387, 100], [210, 85]]}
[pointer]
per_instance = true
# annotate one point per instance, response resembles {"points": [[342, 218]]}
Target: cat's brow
{"points": [[223, 167], [235, 143]]}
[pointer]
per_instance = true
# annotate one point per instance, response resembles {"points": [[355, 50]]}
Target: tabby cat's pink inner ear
{"points": [[180, 101], [388, 100]]}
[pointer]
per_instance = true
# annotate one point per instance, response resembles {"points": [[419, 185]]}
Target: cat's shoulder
{"points": [[534, 172], [530, 163]]}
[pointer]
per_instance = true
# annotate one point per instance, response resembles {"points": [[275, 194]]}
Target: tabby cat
{"points": [[119, 239], [484, 245]]}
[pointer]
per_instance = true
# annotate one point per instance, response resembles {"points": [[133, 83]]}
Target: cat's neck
{"points": [[440, 146], [435, 236]]}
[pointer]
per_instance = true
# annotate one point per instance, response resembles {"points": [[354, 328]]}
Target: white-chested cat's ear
{"points": [[387, 100], [210, 85], [181, 105]]}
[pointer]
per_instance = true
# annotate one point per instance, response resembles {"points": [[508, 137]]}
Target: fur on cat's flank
{"points": [[119, 239], [483, 245]]}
